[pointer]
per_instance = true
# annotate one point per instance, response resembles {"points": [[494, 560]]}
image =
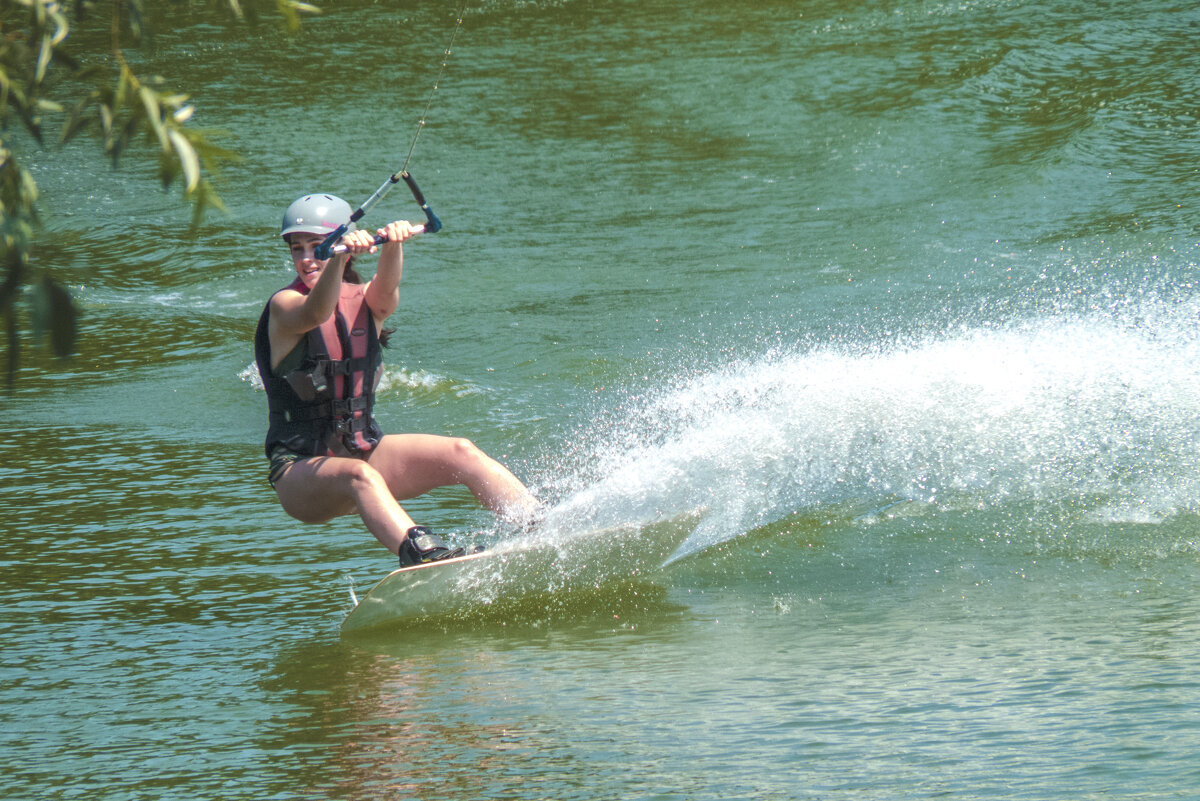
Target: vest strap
{"points": [[336, 409]]}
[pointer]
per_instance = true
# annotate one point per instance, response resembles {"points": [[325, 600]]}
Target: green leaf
{"points": [[14, 345], [154, 114], [291, 10], [205, 198], [45, 53], [106, 121], [187, 159], [61, 27], [5, 87], [76, 120], [96, 91], [63, 323], [38, 299]]}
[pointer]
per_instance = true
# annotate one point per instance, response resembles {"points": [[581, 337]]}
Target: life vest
{"points": [[332, 392]]}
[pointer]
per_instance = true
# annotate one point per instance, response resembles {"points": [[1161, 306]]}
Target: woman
{"points": [[318, 349]]}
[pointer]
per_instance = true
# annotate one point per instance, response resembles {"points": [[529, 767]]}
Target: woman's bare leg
{"points": [[319, 489], [413, 464], [322, 488]]}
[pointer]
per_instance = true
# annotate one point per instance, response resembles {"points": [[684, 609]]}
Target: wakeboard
{"points": [[540, 562]]}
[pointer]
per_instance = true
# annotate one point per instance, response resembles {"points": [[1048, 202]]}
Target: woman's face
{"points": [[301, 246]]}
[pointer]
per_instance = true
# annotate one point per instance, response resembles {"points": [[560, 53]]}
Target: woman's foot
{"points": [[422, 546]]}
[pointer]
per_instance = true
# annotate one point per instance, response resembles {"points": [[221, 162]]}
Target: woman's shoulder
{"points": [[285, 297]]}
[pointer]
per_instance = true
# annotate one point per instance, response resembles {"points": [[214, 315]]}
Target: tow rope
{"points": [[432, 224]]}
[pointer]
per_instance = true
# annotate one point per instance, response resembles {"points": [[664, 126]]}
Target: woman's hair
{"points": [[349, 274]]}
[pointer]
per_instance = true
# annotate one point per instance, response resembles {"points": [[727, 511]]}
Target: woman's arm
{"points": [[296, 313], [383, 291]]}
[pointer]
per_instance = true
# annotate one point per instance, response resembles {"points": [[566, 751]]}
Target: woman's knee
{"points": [[464, 448], [465, 455], [362, 478]]}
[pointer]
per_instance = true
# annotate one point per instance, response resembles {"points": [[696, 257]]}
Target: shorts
{"points": [[281, 458]]}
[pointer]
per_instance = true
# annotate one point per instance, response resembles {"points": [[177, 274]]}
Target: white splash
{"points": [[1097, 410], [420, 381]]}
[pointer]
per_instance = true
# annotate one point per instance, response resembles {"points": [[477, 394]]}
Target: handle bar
{"points": [[379, 240], [432, 223]]}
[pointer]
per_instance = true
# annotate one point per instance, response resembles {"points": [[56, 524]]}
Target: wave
{"points": [[393, 379], [1094, 411]]}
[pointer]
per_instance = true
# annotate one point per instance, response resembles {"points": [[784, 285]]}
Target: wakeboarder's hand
{"points": [[399, 231]]}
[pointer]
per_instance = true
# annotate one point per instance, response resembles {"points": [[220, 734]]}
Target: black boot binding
{"points": [[422, 546]]}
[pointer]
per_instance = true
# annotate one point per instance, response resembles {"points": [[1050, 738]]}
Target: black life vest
{"points": [[332, 392]]}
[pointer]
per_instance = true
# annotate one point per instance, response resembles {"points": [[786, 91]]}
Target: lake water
{"points": [[902, 293]]}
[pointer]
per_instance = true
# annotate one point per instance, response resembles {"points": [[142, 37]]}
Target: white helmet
{"points": [[316, 214]]}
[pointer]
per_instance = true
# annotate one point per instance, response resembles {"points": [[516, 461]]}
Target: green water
{"points": [[902, 293]]}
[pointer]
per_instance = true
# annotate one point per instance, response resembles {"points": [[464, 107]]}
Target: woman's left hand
{"points": [[399, 231], [361, 241]]}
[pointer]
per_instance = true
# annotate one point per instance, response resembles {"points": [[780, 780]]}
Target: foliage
{"points": [[42, 82]]}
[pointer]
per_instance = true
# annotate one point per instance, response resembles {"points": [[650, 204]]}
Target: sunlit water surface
{"points": [[900, 294]]}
